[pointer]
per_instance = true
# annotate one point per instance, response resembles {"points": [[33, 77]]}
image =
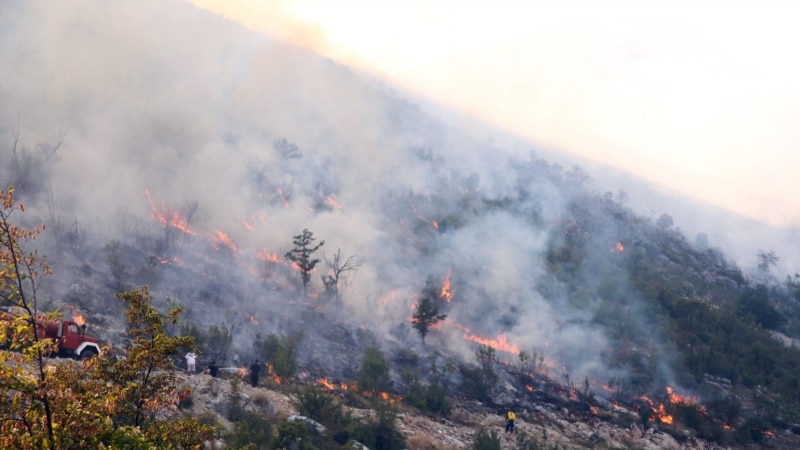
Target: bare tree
{"points": [[27, 168], [338, 267]]}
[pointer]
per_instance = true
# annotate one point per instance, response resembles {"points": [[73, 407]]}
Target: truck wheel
{"points": [[87, 354]]}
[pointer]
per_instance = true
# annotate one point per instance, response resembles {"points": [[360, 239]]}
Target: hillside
{"points": [[192, 156]]}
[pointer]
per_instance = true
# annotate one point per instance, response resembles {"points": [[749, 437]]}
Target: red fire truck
{"points": [[70, 335]]}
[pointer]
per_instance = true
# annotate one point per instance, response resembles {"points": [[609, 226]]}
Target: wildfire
{"points": [[283, 197], [79, 318], [500, 343], [326, 384], [618, 247], [331, 200], [253, 320], [271, 373], [226, 240], [447, 291], [169, 217], [435, 224], [269, 257]]}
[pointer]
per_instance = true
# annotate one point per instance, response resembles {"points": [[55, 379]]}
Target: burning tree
{"points": [[300, 255], [426, 311]]}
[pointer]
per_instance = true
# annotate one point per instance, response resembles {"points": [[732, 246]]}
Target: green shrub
{"points": [[374, 370], [251, 430], [485, 440]]}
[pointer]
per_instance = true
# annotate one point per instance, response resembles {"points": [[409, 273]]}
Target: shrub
{"points": [[374, 370], [252, 429], [485, 440]]}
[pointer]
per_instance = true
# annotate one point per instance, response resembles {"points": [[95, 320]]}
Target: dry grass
{"points": [[260, 399]]}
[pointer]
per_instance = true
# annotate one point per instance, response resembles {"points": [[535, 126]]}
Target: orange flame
{"points": [[269, 257], [79, 318], [500, 343], [163, 214], [331, 200], [447, 290], [618, 247], [226, 240], [283, 197], [253, 320], [435, 224], [271, 372], [326, 384]]}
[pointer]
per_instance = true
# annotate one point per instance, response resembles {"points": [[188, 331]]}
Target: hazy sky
{"points": [[701, 97]]}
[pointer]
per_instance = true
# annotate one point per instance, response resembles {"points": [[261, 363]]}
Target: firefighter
{"points": [[255, 368], [213, 369], [510, 418]]}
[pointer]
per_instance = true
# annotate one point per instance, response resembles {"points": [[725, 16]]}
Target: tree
{"points": [[767, 260], [426, 315], [338, 267], [664, 221], [374, 370], [101, 402], [301, 256]]}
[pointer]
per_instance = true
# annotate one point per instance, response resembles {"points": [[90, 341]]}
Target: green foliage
{"points": [[381, 432], [374, 370], [251, 430], [103, 402], [218, 343], [434, 396], [485, 440], [279, 352], [478, 382], [301, 255], [115, 262], [426, 312], [292, 435], [322, 407]]}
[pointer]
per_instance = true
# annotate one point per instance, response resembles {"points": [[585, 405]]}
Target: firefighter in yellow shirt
{"points": [[510, 418]]}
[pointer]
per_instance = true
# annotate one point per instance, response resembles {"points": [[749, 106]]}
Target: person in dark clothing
{"points": [[255, 368], [213, 369]]}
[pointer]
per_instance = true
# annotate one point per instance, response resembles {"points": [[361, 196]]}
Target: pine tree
{"points": [[425, 316], [301, 256]]}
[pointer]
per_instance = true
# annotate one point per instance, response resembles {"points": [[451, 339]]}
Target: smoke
{"points": [[269, 140]]}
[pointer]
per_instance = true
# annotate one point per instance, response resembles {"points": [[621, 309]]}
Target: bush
{"points": [[374, 371], [252, 429], [292, 435], [279, 352], [485, 440], [322, 407], [381, 433]]}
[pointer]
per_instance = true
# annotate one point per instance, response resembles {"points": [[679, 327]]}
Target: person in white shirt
{"points": [[191, 359]]}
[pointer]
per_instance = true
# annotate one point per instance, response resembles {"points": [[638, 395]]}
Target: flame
{"points": [[500, 343], [331, 200], [79, 318], [226, 240], [326, 384], [253, 320], [447, 291], [271, 373], [169, 217], [283, 197], [435, 224], [530, 388], [242, 372], [246, 225], [618, 247], [269, 257]]}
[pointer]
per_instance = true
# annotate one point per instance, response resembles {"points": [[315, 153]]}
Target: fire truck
{"points": [[70, 335]]}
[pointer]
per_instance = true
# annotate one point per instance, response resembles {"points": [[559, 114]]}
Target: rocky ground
{"points": [[545, 423]]}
